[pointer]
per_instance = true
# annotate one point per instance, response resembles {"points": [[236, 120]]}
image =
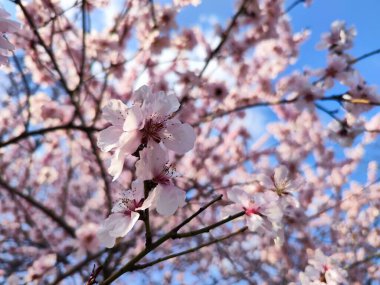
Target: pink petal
{"points": [[105, 238], [134, 119], [179, 138], [128, 144], [149, 201], [265, 181], [167, 199], [115, 112], [254, 222], [239, 196], [108, 138], [281, 174]]}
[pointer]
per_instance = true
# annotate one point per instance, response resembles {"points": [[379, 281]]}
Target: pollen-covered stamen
{"points": [[165, 176], [152, 129], [131, 205], [280, 188]]}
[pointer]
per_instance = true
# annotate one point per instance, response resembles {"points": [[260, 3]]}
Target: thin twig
{"points": [[159, 260], [61, 222], [127, 267], [208, 228]]}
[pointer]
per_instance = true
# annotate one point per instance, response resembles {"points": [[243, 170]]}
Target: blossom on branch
{"points": [[282, 184], [149, 121], [125, 214], [153, 166], [261, 209], [322, 270]]}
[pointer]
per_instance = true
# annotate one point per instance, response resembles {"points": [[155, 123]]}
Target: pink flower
{"points": [[322, 270], [340, 37], [343, 133], [147, 122], [40, 267], [124, 214], [282, 184], [6, 26], [261, 209], [87, 236], [153, 166]]}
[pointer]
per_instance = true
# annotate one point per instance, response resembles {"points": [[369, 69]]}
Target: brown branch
{"points": [[208, 228], [127, 267], [62, 223], [159, 260], [26, 135], [366, 259]]}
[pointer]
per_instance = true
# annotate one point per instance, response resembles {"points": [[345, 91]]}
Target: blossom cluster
{"points": [[292, 149], [147, 129], [264, 210], [6, 26]]}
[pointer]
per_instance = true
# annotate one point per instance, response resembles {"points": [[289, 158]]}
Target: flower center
{"points": [[132, 205], [164, 177], [252, 211], [152, 131]]}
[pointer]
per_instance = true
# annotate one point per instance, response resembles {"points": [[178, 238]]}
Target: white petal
{"points": [[254, 222], [128, 142], [152, 162], [149, 201], [108, 138], [105, 238], [115, 112], [179, 138], [265, 181], [141, 94], [137, 190], [281, 174], [119, 224], [162, 104], [134, 119], [167, 199], [116, 165], [238, 196], [230, 210]]}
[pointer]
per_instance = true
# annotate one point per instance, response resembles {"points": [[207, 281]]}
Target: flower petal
{"points": [[133, 119], [108, 138], [129, 142], [105, 239], [167, 199], [281, 174], [238, 196], [179, 137], [115, 112], [149, 201]]}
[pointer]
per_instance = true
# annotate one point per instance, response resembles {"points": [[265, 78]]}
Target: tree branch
{"points": [[25, 135], [62, 223], [159, 260], [127, 267], [208, 228]]}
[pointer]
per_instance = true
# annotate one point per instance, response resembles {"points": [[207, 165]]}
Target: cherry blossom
{"points": [[87, 236], [6, 26], [340, 37], [343, 133], [153, 166], [147, 122], [322, 270], [40, 268], [125, 214], [282, 184], [261, 209]]}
